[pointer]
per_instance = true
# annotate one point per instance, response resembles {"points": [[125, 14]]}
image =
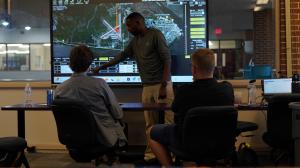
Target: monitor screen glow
{"points": [[276, 86]]}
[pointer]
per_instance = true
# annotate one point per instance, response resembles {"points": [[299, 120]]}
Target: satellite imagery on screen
{"points": [[100, 24]]}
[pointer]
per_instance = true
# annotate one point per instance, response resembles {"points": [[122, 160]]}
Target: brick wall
{"points": [[264, 37], [282, 39], [295, 36]]}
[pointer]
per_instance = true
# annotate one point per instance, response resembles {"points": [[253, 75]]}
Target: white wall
{"points": [[40, 125], [40, 35]]}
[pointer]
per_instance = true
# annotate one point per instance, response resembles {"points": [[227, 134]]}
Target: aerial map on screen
{"points": [[100, 24]]}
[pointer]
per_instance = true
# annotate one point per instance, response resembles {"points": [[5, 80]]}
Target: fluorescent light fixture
{"points": [[6, 79], [14, 45], [5, 23], [17, 52], [216, 59], [47, 44], [18, 45], [257, 8], [224, 59], [262, 2], [27, 28], [24, 46]]}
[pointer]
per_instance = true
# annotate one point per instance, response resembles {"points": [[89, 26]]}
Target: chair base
{"points": [[12, 152], [281, 149], [226, 162], [278, 155]]}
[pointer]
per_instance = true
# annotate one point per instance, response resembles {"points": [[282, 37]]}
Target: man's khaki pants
{"points": [[150, 95]]}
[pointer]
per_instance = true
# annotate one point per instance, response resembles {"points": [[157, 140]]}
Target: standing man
{"points": [[153, 58]]}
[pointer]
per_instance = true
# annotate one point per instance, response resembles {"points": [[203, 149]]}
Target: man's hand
{"points": [[96, 70], [162, 92]]}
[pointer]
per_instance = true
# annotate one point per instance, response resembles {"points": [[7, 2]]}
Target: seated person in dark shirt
{"points": [[204, 91]]}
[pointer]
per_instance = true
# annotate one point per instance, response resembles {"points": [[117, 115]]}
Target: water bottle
{"points": [[251, 93], [28, 93]]}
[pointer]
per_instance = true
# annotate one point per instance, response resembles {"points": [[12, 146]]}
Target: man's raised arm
{"points": [[120, 57]]}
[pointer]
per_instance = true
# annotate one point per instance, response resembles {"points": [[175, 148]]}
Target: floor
{"points": [[61, 159]]}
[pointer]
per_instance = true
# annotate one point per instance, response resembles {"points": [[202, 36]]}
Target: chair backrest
{"points": [[279, 116], [76, 125], [209, 132]]}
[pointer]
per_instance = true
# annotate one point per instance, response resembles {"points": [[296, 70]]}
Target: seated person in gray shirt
{"points": [[94, 91]]}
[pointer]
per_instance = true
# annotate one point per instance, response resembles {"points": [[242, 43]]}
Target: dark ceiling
{"points": [[36, 12]]}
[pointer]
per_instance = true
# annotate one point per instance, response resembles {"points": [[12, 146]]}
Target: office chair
{"points": [[12, 152], [246, 156], [208, 135], [279, 127], [77, 130]]}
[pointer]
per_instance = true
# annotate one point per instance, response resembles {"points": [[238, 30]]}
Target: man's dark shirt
{"points": [[202, 92]]}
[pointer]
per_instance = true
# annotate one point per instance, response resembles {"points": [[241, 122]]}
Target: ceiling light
{"points": [[5, 23], [17, 52], [262, 2], [14, 45], [27, 27], [46, 44], [24, 46]]}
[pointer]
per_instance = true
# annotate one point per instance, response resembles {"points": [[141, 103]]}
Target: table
{"points": [[21, 108], [247, 107], [160, 108]]}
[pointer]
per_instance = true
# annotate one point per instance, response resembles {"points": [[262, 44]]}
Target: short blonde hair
{"points": [[204, 60]]}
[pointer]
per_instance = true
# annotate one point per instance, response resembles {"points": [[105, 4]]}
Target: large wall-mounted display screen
{"points": [[100, 24]]}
